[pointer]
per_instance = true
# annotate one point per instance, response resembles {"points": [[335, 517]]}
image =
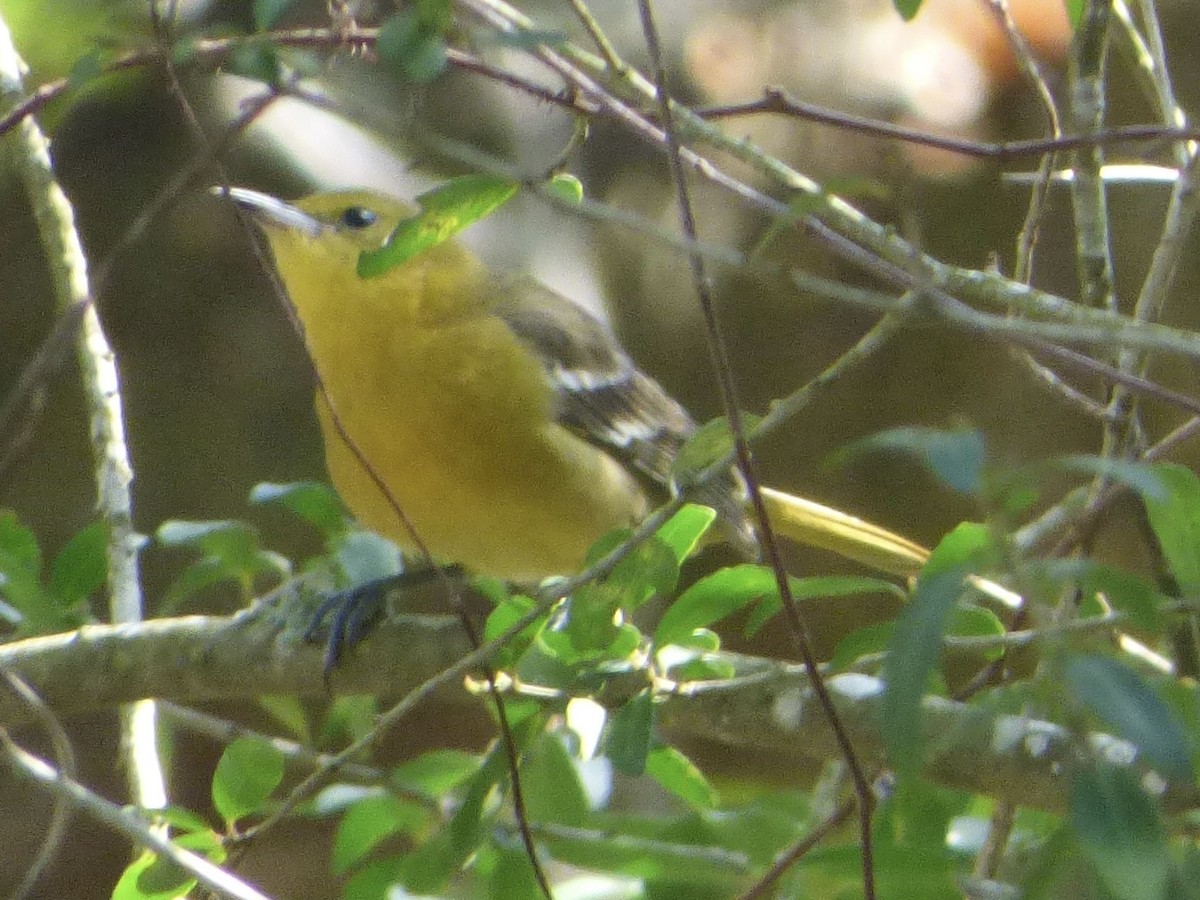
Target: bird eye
{"points": [[359, 217]]}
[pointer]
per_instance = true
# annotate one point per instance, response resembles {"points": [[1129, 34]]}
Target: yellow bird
{"points": [[506, 422]]}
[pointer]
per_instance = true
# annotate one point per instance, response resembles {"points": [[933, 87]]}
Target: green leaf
{"points": [[650, 570], [288, 711], [630, 733], [1174, 514], [1120, 832], [1141, 477], [1118, 695], [1075, 9], [679, 775], [28, 604], [684, 530], [585, 632], [917, 640], [975, 621], [349, 718], [225, 539], [908, 9], [706, 446], [505, 616], [374, 881], [818, 587], [180, 819], [231, 550], [429, 867], [860, 642], [130, 887], [566, 187], [247, 772], [364, 557], [164, 876], [312, 501], [18, 544], [268, 12], [730, 589], [370, 821], [680, 865], [412, 46], [81, 567], [553, 792], [445, 211], [507, 873], [956, 458], [87, 68], [1130, 593], [436, 772], [24, 600], [257, 60]]}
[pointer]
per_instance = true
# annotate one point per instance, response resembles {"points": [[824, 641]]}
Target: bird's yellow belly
{"points": [[522, 499]]}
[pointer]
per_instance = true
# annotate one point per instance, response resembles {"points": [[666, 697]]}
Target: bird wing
{"points": [[601, 394], [604, 397]]}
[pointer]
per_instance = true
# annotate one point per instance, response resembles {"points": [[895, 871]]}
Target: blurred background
{"points": [[216, 387]]}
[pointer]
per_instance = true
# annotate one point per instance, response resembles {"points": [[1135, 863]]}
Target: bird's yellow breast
{"points": [[452, 413]]}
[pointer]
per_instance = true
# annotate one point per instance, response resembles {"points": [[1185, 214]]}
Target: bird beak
{"points": [[271, 212]]}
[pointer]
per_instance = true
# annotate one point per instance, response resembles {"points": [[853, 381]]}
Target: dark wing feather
{"points": [[603, 396]]}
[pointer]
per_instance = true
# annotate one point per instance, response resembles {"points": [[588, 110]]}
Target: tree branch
{"points": [[196, 658]]}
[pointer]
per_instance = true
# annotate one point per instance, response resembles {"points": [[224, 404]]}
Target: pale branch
{"points": [[113, 471], [1012, 758], [258, 651]]}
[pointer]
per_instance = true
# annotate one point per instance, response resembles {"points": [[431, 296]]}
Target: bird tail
{"points": [[814, 525]]}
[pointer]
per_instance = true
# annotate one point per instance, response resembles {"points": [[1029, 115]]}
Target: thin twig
{"points": [[121, 819], [60, 815], [723, 369]]}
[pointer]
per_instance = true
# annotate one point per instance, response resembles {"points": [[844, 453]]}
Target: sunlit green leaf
{"points": [[430, 866], [436, 772], [679, 775], [445, 211], [1075, 9], [553, 792], [19, 544], [247, 772], [684, 530], [507, 872], [375, 880], [630, 733], [728, 590], [130, 886], [566, 186], [369, 822], [349, 718]]}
